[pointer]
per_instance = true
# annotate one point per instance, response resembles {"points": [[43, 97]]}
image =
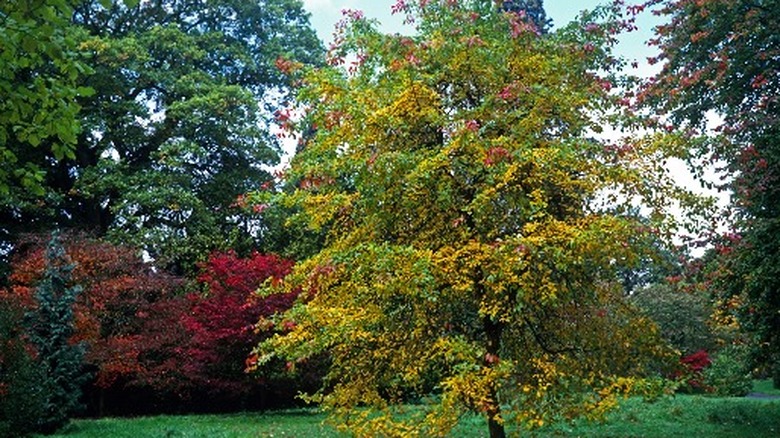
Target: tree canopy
{"points": [[722, 58], [475, 224], [178, 124], [533, 10]]}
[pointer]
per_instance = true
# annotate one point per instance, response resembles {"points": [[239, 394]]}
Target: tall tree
{"points": [[180, 123], [469, 254], [723, 57]]}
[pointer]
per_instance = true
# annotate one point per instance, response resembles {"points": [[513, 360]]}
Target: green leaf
{"points": [[85, 91], [59, 151], [29, 44], [34, 140]]}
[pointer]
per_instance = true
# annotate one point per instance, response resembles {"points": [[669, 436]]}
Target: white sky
{"points": [[325, 14]]}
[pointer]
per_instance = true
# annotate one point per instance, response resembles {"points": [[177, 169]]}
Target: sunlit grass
{"points": [[289, 423], [687, 416]]}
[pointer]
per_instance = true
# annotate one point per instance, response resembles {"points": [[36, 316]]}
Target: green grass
{"points": [[692, 416], [290, 423], [765, 387]]}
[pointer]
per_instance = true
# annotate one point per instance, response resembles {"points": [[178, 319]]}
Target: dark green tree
{"points": [[683, 317], [723, 57], [22, 397], [180, 124], [533, 10], [50, 327]]}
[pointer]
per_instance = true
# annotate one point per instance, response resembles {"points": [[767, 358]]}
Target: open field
{"points": [[693, 416]]}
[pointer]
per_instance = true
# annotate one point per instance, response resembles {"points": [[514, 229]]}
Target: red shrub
{"points": [[696, 362], [220, 324], [693, 368]]}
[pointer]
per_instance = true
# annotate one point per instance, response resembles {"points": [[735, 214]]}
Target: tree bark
{"points": [[102, 403], [493, 332]]}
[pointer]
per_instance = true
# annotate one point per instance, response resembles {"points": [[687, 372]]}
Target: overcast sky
{"points": [[325, 13]]}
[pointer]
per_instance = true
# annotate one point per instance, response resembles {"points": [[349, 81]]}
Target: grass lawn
{"points": [[287, 423], [686, 416], [765, 387]]}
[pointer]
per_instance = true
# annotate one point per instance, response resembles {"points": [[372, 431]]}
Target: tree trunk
{"points": [[493, 331], [102, 403], [496, 429]]}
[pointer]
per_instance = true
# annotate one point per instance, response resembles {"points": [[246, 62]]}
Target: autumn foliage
{"points": [[721, 69], [111, 314], [472, 248], [146, 335], [220, 322], [693, 366]]}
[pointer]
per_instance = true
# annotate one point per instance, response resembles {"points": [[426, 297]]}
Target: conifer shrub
{"points": [[49, 326]]}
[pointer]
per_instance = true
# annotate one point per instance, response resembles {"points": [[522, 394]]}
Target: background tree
{"points": [[723, 57], [111, 313], [179, 125], [684, 317], [533, 10], [154, 344], [467, 255], [665, 261]]}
